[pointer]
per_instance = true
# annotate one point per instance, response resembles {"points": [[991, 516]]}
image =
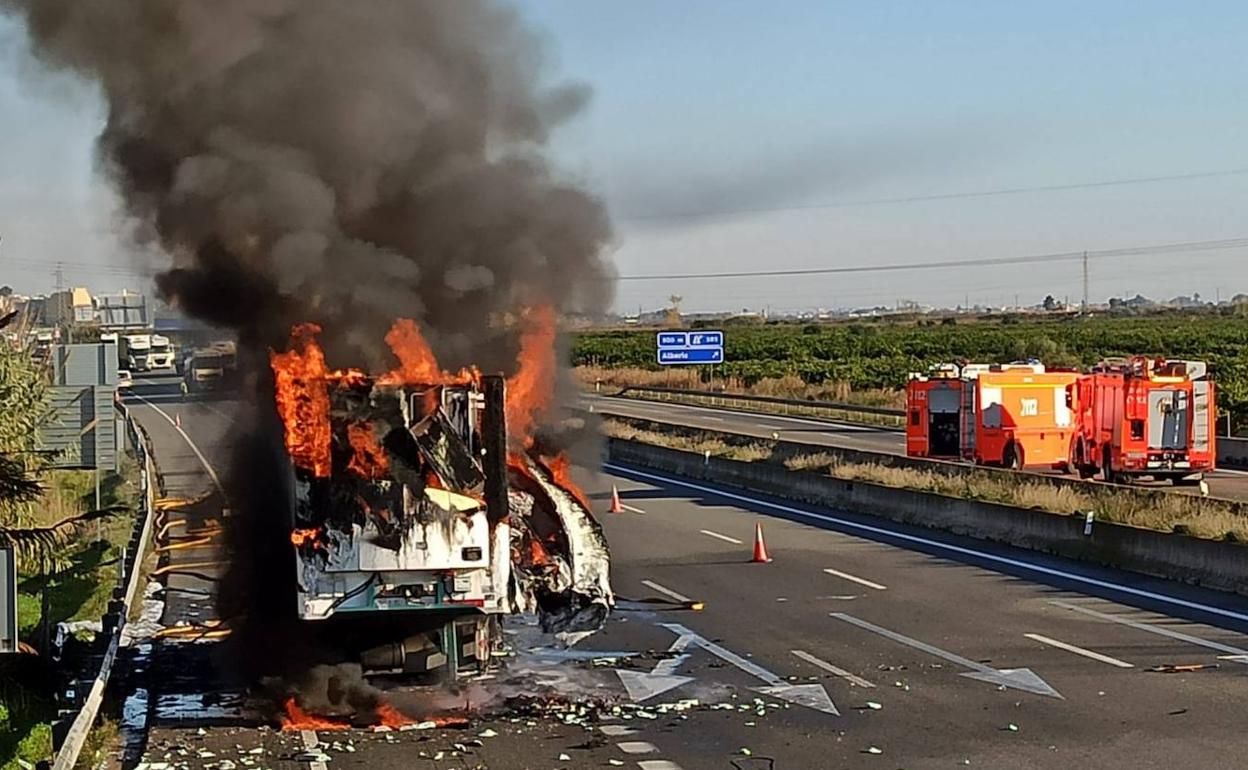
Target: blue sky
{"points": [[704, 106]]}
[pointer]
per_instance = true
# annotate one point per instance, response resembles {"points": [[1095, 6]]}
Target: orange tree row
{"points": [[881, 354]]}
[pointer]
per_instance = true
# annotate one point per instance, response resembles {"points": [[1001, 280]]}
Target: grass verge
{"points": [[1211, 519]]}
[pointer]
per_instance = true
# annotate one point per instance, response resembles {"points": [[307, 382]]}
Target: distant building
{"points": [[69, 307], [123, 311]]}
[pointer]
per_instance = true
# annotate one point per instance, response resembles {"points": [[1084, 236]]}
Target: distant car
{"points": [[124, 380]]}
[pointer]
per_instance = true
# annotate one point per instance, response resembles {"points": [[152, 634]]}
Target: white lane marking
{"points": [[628, 507], [725, 538], [1018, 563], [814, 696], [858, 580], [310, 743], [637, 747], [1230, 471], [666, 591], [658, 764], [850, 677], [1019, 678], [1159, 630], [212, 473], [1078, 650], [617, 731]]}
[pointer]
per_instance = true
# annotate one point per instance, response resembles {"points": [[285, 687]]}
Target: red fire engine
{"points": [[1011, 415], [1145, 417]]}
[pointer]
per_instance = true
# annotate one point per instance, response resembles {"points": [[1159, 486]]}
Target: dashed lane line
{"points": [[666, 591], [853, 579], [718, 536], [637, 747], [1078, 650], [938, 545], [848, 676], [1235, 652]]}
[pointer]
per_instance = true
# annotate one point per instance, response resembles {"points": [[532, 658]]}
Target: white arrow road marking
{"points": [[666, 591], [853, 579], [812, 696], [1235, 653], [1018, 678], [930, 543], [826, 666], [641, 685], [1078, 650]]}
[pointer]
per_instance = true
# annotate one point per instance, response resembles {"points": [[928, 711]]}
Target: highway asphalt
{"points": [[1227, 483], [855, 642]]}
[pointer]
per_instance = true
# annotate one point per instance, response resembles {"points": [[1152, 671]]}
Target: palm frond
{"points": [[40, 541], [16, 486]]}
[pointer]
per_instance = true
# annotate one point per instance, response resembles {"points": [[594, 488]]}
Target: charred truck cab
{"points": [[420, 529]]}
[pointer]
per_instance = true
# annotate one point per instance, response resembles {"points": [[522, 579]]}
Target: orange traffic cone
{"points": [[616, 505], [760, 548]]}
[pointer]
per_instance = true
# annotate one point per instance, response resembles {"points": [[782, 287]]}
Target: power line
{"points": [[716, 213], [1165, 248]]}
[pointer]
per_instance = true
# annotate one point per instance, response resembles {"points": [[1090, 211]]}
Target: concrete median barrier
{"points": [[1212, 564]]}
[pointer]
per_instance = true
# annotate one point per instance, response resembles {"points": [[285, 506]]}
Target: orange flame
{"points": [[391, 717], [560, 468], [368, 459], [530, 389], [296, 718], [302, 537], [417, 363], [303, 399]]}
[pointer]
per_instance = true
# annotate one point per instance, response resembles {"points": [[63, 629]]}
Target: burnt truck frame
{"points": [[417, 567]]}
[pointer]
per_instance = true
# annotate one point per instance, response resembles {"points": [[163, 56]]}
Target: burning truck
{"points": [[417, 522]]}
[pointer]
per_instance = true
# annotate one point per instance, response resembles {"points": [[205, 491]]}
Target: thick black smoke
{"points": [[343, 162], [347, 162]]}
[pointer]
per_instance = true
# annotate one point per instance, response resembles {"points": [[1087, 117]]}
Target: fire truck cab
{"points": [[1009, 415], [1146, 417]]}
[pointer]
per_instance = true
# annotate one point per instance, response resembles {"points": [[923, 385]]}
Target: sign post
{"points": [[8, 601], [676, 348]]}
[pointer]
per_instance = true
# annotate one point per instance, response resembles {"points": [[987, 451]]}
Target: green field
{"points": [[877, 354]]}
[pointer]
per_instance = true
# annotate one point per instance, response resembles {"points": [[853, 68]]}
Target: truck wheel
{"points": [[1012, 457], [1107, 468]]}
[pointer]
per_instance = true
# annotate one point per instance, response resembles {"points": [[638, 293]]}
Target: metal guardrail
{"points": [[123, 596], [793, 405]]}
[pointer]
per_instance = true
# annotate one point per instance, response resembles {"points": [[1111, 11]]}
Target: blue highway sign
{"points": [[706, 339], [691, 356], [690, 347]]}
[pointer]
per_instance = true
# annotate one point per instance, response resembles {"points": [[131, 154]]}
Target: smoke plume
{"points": [[341, 162]]}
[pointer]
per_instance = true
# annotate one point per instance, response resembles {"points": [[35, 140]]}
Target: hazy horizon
{"points": [[727, 138]]}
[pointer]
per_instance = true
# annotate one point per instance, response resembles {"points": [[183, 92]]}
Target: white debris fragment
{"points": [[874, 750], [487, 733]]}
